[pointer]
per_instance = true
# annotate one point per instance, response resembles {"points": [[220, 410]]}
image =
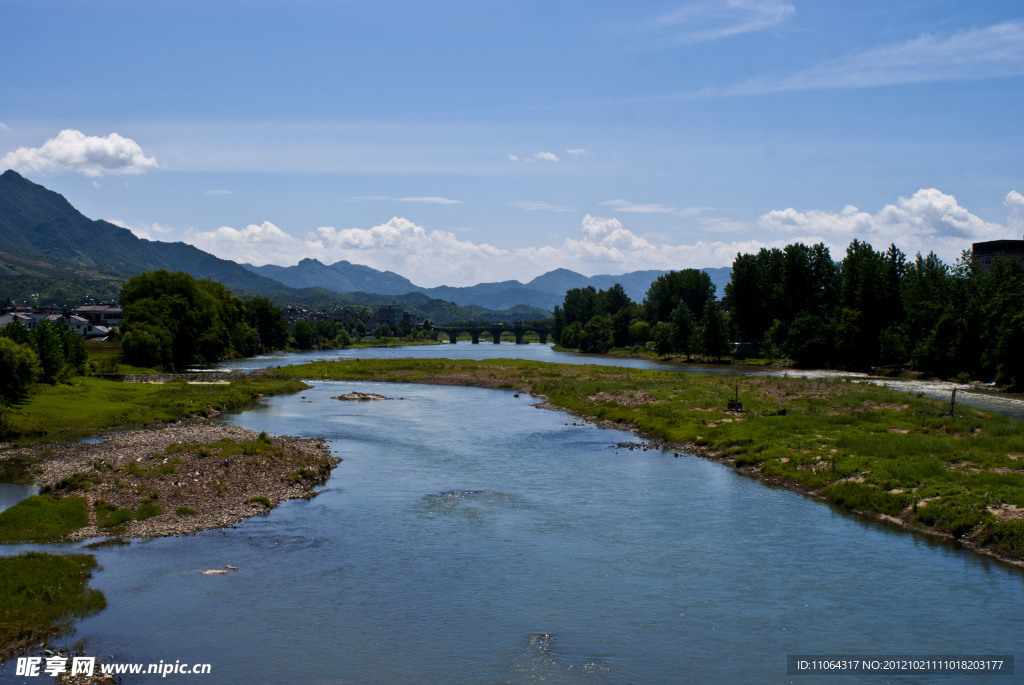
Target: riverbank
{"points": [[176, 479], [875, 452]]}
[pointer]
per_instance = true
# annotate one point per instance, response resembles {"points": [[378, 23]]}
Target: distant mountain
{"points": [[340, 277], [44, 241], [39, 223], [49, 247], [543, 292]]}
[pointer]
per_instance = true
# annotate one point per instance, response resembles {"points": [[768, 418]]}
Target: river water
{"points": [[470, 537]]}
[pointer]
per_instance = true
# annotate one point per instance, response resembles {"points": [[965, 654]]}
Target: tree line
{"points": [[869, 309], [49, 353]]}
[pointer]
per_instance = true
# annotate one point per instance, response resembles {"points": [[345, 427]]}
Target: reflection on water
{"points": [[12, 493]]}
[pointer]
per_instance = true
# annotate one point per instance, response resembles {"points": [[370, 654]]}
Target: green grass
{"points": [[87, 406], [40, 593], [185, 511], [110, 515], [863, 447], [42, 518], [147, 510]]}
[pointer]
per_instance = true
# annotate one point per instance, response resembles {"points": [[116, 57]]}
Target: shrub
{"points": [[148, 510], [185, 511]]}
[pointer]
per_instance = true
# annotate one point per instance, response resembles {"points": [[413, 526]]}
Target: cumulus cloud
{"points": [[154, 231], [255, 244], [1015, 204], [627, 206], [547, 157], [430, 258], [928, 221], [91, 156]]}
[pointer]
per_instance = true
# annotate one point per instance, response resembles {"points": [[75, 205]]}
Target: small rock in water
{"points": [[356, 396]]}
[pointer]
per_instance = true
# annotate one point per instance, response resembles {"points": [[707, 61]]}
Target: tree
{"points": [[683, 329], [598, 335], [714, 331], [661, 335], [178, 320], [269, 324], [19, 367], [692, 286], [580, 305]]}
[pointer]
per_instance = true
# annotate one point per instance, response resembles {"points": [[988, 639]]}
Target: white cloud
{"points": [[697, 22], [4, 126], [153, 231], [627, 206], [431, 200], [255, 244], [512, 158], [547, 157], [927, 221], [576, 151], [980, 53], [1015, 204], [541, 206], [431, 258], [218, 193], [90, 156]]}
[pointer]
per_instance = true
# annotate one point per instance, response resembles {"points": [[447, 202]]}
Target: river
{"points": [[470, 537]]}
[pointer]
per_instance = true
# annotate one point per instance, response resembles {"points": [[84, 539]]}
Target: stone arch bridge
{"points": [[519, 329]]}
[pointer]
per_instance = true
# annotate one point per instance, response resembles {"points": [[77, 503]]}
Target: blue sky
{"points": [[460, 141]]}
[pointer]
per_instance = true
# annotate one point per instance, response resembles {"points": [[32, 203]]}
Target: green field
{"points": [[88, 405]]}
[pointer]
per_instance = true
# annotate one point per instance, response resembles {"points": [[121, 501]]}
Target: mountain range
{"points": [[543, 292], [47, 244]]}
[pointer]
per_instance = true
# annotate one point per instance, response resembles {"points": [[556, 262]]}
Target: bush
{"points": [[19, 367], [864, 497], [148, 510], [952, 516], [185, 511]]}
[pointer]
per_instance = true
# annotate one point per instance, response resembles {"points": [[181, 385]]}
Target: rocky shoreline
{"points": [[201, 475]]}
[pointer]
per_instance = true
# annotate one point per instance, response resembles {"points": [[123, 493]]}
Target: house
{"points": [[100, 314], [26, 320]]}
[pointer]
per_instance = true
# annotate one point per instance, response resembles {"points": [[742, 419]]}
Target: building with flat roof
{"points": [[986, 253]]}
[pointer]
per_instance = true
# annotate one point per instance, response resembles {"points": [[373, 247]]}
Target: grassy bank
{"points": [[865, 448], [87, 405], [39, 594]]}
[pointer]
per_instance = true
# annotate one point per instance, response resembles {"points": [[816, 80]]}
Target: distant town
{"points": [[95, 322]]}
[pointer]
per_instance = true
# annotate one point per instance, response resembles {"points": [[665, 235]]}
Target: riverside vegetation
{"points": [[867, 449]]}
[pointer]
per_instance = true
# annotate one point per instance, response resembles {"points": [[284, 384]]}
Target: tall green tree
{"points": [[692, 286]]}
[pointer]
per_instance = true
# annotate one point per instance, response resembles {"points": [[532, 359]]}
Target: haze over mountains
{"points": [[42, 236]]}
